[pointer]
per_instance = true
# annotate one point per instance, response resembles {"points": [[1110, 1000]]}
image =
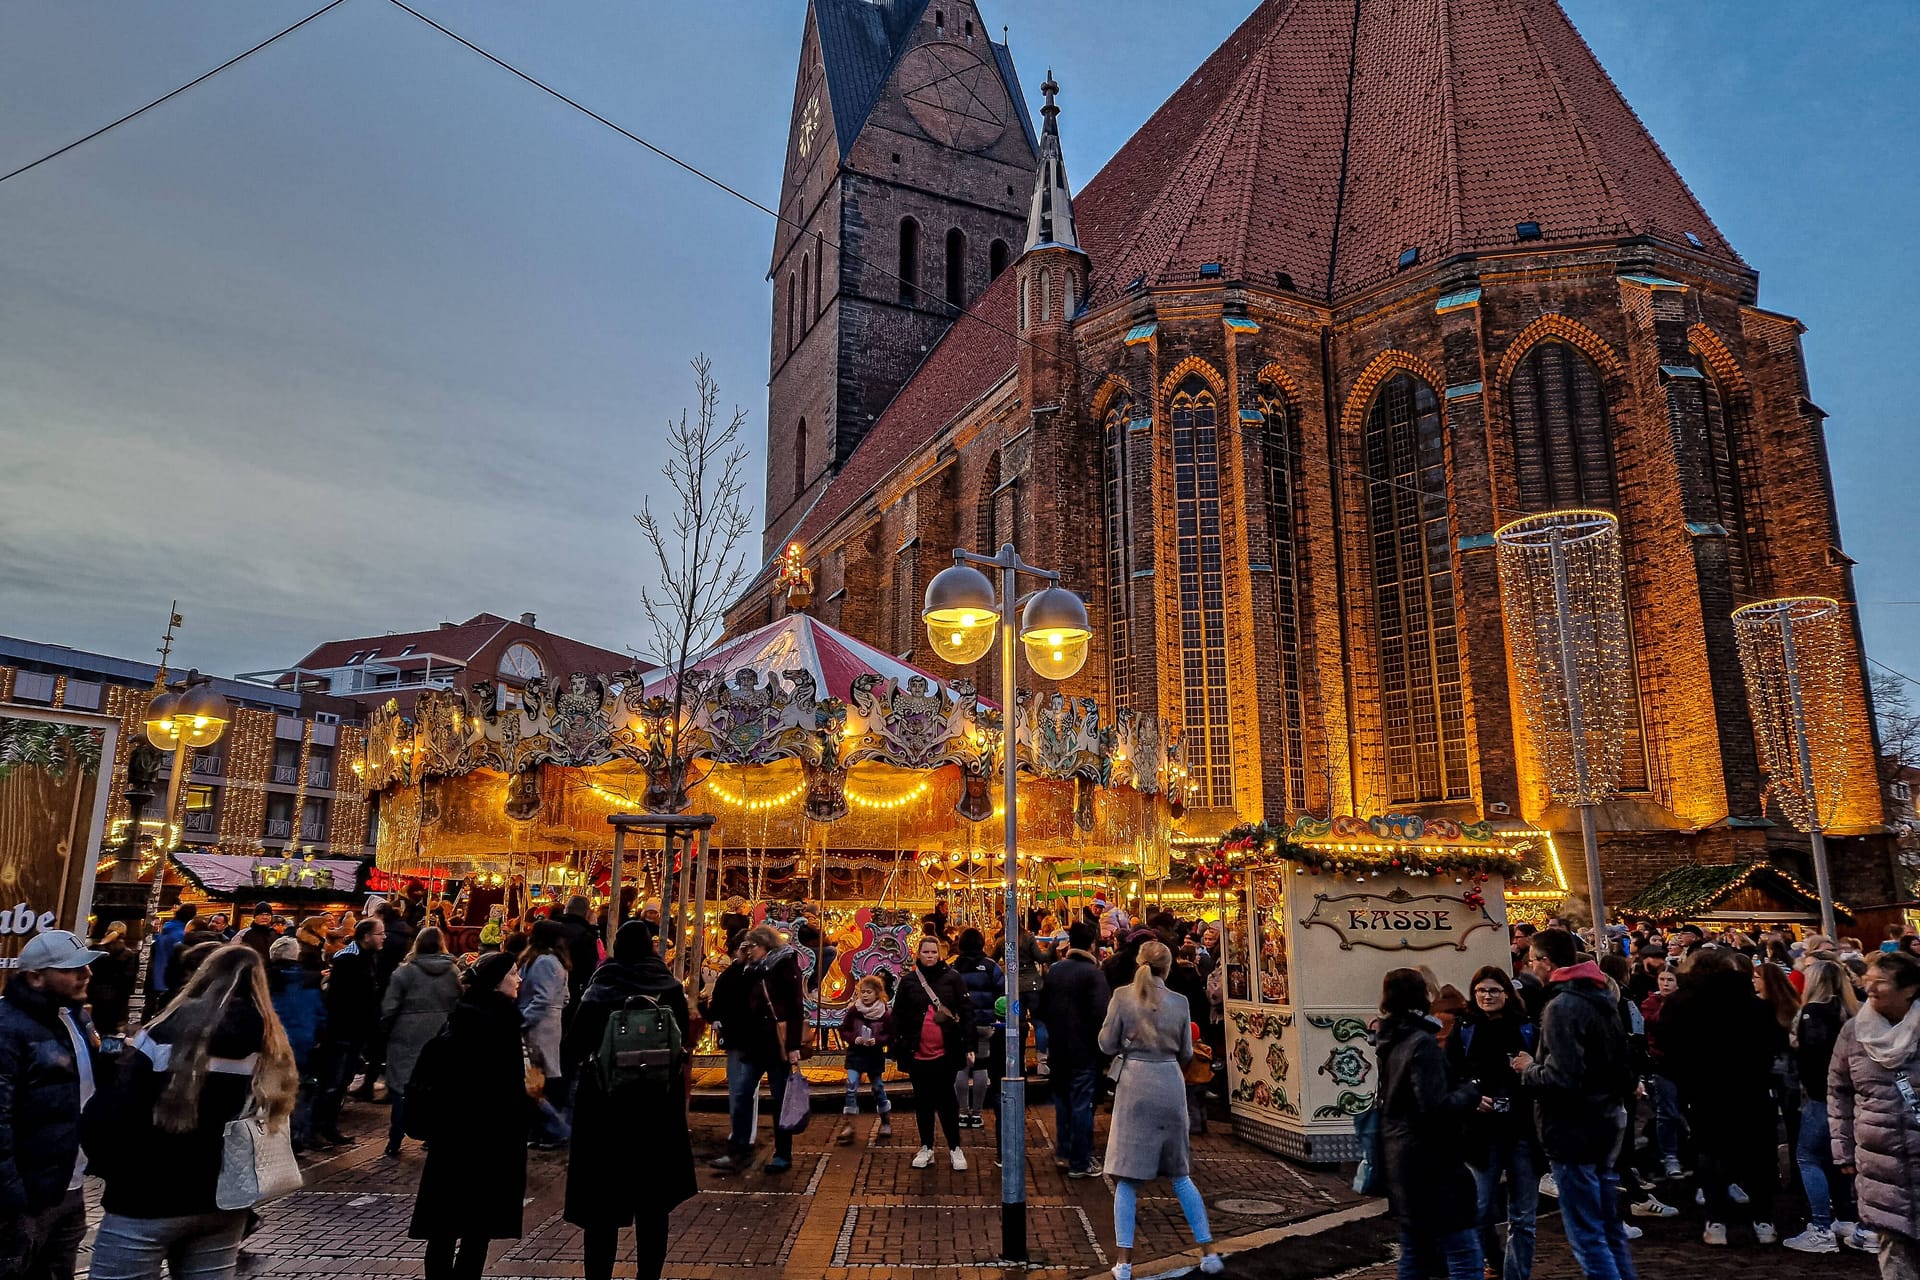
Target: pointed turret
{"points": [[1050, 219]]}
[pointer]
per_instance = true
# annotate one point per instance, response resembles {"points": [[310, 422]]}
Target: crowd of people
{"points": [[1608, 1073], [1613, 1074]]}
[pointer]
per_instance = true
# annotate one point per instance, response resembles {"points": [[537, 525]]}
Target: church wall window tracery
{"points": [[1422, 694], [1277, 452], [1203, 640], [1117, 500]]}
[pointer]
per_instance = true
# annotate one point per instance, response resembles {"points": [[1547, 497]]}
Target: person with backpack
{"points": [[1499, 1134], [420, 996], [865, 1030], [467, 1100], [632, 1156], [1580, 1076], [301, 1008]]}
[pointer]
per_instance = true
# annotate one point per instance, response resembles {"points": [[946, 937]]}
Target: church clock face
{"points": [[809, 125], [954, 96]]}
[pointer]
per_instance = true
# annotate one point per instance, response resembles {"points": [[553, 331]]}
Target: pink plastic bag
{"points": [[796, 1104]]}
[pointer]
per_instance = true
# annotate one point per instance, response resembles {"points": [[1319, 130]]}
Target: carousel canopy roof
{"points": [[798, 643]]}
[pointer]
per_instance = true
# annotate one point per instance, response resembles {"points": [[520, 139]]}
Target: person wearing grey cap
{"points": [[47, 1060]]}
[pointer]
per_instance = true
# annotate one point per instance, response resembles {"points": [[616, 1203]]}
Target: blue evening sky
{"points": [[365, 333]]}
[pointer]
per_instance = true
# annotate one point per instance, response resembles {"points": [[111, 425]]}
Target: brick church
{"points": [[1378, 278]]}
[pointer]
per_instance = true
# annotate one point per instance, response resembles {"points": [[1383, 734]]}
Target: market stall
{"points": [[1314, 916]]}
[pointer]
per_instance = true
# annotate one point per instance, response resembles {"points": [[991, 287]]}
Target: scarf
{"points": [[777, 954], [870, 1011], [1891, 1044]]}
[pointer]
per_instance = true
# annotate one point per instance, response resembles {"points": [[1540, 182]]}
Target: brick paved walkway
{"points": [[861, 1213]]}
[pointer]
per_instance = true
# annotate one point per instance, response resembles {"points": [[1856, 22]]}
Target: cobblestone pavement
{"points": [[861, 1213]]}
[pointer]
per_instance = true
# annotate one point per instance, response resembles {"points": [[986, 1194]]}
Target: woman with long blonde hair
{"points": [[1150, 1030], [156, 1134]]}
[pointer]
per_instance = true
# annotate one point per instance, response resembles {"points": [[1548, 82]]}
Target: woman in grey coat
{"points": [[1150, 1030], [1873, 1108], [420, 995], [543, 999]]}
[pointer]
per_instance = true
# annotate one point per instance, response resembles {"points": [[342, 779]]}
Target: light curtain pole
{"points": [[1792, 654], [964, 615], [1564, 600]]}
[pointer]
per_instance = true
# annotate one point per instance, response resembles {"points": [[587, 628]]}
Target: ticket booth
{"points": [[1314, 916]]}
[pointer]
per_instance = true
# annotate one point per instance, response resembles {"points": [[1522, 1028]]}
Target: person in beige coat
{"points": [[1149, 1030]]}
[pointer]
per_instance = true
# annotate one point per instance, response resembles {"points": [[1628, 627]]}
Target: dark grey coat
{"points": [[420, 995], [1874, 1131], [1422, 1130]]}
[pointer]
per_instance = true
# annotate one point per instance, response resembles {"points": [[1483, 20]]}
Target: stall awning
{"points": [[798, 642], [1732, 891], [238, 875]]}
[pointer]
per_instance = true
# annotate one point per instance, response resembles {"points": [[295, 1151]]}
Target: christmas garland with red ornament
{"points": [[1264, 842]]}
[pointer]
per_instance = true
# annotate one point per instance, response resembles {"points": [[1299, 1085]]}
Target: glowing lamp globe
{"points": [[161, 731], [195, 716], [961, 614], [1055, 631]]}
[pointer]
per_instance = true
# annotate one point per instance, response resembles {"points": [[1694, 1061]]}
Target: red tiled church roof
{"points": [[1435, 125], [465, 641]]}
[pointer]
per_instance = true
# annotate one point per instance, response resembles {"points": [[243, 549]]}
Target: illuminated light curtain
{"points": [[1203, 639], [1422, 699], [1563, 457], [1561, 594], [1276, 447], [1117, 495], [1821, 639]]}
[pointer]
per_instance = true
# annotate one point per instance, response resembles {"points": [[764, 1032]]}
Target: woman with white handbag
{"points": [[194, 1130]]}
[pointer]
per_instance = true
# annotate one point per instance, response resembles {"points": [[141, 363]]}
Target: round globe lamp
{"points": [[1055, 631], [961, 614], [162, 732]]}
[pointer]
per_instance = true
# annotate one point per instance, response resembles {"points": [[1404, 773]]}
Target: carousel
{"points": [[794, 774]]}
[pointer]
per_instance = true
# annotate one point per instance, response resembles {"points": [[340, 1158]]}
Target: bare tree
{"points": [[1898, 722], [698, 557]]}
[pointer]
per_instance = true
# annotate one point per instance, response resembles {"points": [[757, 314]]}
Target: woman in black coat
{"points": [[475, 1178], [609, 1185], [1422, 1128], [933, 1041], [1500, 1143]]}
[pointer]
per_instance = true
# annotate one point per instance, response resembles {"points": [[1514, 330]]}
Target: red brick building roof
{"points": [[1322, 140], [467, 642]]}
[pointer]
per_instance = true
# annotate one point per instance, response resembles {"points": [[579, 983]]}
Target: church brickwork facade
{"points": [[1276, 485]]}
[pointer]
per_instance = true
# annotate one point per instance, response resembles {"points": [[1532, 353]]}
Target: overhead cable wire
{"points": [[199, 79]]}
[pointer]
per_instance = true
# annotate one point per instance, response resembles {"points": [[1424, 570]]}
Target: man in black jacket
{"points": [[1073, 1004], [1578, 1083], [353, 1015], [46, 1075]]}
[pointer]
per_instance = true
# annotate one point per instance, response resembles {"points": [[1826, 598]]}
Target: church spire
{"points": [[1050, 219]]}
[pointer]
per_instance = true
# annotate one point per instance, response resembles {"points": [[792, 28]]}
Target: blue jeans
{"points": [[1457, 1253], [200, 1246], [1669, 1122], [1073, 1116], [1814, 1154], [743, 1102], [1590, 1214], [1516, 1159], [880, 1102]]}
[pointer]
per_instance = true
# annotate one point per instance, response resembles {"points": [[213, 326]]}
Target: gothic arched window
{"points": [[996, 259], [909, 271], [800, 460], [956, 268], [1277, 452], [806, 288], [819, 274], [986, 525], [1046, 295], [1561, 453], [1203, 610], [1117, 499], [1422, 698], [1721, 466], [790, 296]]}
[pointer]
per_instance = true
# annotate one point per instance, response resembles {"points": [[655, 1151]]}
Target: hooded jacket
{"points": [[1581, 1071], [420, 995], [1876, 1131]]}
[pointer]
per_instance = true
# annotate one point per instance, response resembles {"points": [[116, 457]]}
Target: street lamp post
{"points": [[964, 616], [181, 721]]}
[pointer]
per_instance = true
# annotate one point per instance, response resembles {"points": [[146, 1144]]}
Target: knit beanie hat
{"points": [[284, 950], [488, 972]]}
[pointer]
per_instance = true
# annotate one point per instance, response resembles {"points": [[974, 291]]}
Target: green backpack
{"points": [[640, 1048]]}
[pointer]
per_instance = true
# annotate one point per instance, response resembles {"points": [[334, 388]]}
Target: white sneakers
{"points": [[1813, 1240], [1630, 1231], [1548, 1187], [1715, 1234], [958, 1158], [924, 1160], [1736, 1193], [1652, 1207], [1763, 1233], [1865, 1239], [1123, 1271], [1212, 1264]]}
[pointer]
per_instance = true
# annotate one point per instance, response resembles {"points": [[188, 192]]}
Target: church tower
{"points": [[910, 160]]}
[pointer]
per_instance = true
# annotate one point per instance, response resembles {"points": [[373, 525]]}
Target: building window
{"points": [[202, 811], [1721, 469], [996, 259], [1023, 303], [909, 271], [819, 273], [800, 460], [790, 326], [906, 602], [806, 286], [1561, 453], [986, 526], [286, 763], [313, 821], [1901, 791], [1203, 622], [1422, 701], [1046, 295], [1066, 308], [1277, 452], [956, 268], [1117, 490]]}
